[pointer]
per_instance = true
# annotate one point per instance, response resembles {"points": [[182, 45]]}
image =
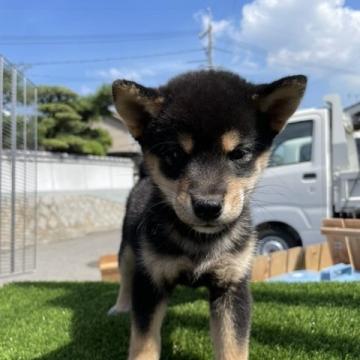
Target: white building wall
{"points": [[58, 173]]}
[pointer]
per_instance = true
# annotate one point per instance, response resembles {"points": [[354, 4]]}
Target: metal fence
{"points": [[18, 171]]}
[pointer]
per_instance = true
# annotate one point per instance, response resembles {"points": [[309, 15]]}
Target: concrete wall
{"points": [[80, 195], [62, 172]]}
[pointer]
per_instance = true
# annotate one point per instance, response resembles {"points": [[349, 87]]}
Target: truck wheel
{"points": [[274, 239]]}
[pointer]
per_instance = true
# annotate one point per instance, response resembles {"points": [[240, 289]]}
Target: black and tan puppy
{"points": [[206, 138]]}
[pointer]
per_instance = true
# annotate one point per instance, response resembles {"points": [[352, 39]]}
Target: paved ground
{"points": [[71, 260]]}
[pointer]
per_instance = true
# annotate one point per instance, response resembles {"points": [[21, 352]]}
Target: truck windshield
{"points": [[293, 145]]}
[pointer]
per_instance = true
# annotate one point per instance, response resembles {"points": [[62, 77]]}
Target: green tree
{"points": [[65, 123], [102, 100], [56, 94]]}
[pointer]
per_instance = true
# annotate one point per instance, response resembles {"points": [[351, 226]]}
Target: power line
{"points": [[88, 61], [97, 35], [224, 50], [85, 42], [244, 45], [89, 79], [14, 40]]}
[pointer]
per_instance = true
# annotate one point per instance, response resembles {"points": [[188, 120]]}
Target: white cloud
{"points": [[85, 90], [124, 73], [150, 74], [320, 37], [219, 28], [317, 37]]}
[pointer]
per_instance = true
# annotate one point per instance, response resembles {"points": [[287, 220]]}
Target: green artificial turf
{"points": [[51, 321]]}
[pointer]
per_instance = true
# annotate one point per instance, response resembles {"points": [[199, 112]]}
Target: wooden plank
{"points": [[325, 258], [353, 242], [107, 259], [337, 242], [278, 263], [338, 249], [352, 223], [110, 276], [339, 231], [108, 265], [261, 268], [353, 245], [312, 257], [332, 223], [295, 259], [344, 240]]}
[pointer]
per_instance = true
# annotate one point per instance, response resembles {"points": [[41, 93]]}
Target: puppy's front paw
{"points": [[118, 309]]}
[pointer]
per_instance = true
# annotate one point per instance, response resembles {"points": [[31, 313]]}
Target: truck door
{"points": [[292, 192]]}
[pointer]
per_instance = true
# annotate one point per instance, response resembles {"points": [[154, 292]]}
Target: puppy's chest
{"points": [[225, 267]]}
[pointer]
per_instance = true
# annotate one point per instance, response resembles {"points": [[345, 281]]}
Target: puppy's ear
{"points": [[279, 99], [136, 104]]}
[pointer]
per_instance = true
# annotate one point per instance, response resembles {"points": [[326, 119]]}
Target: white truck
{"points": [[313, 173]]}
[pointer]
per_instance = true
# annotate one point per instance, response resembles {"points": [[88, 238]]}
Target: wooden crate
{"points": [[109, 269], [343, 236], [342, 246], [314, 257]]}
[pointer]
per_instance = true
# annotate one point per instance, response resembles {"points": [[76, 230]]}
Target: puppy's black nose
{"points": [[207, 208]]}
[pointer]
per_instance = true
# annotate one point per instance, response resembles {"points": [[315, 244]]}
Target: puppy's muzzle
{"points": [[207, 208]]}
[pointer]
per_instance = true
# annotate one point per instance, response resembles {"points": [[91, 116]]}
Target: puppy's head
{"points": [[206, 138]]}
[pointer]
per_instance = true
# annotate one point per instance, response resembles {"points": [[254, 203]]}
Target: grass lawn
{"points": [[51, 321]]}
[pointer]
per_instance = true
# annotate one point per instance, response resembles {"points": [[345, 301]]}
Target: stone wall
{"points": [[64, 216], [75, 196], [78, 195]]}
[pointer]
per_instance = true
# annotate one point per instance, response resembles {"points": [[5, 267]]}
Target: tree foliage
{"points": [[66, 121], [102, 100]]}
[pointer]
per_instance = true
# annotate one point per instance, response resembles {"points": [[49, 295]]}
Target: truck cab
{"points": [[300, 187]]}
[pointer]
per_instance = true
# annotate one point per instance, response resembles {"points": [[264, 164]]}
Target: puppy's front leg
{"points": [[148, 311], [230, 308]]}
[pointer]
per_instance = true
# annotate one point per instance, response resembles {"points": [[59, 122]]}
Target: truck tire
{"points": [[273, 239]]}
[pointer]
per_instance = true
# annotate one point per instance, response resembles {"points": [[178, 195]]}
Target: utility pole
{"points": [[209, 48]]}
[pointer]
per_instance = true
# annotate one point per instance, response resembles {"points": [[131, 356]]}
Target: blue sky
{"points": [[260, 39]]}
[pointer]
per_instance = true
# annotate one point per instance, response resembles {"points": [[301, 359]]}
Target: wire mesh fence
{"points": [[18, 171]]}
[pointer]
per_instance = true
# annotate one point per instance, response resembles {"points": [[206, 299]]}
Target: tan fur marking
{"points": [[169, 187], [174, 190], [164, 268], [233, 199], [128, 100], [127, 264], [225, 342], [230, 140], [237, 187], [282, 102], [183, 202], [262, 161], [148, 346], [186, 143], [230, 268]]}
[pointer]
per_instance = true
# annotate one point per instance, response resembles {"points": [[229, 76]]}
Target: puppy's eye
{"points": [[172, 156], [240, 153]]}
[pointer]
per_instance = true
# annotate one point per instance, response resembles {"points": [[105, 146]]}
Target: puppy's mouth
{"points": [[208, 228]]}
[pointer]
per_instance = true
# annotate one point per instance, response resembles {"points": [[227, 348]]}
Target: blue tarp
{"points": [[338, 272]]}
